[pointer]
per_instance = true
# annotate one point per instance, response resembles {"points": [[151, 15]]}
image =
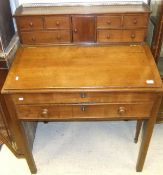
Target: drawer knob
{"points": [[44, 112], [83, 108], [108, 36], [132, 36], [108, 22], [58, 37], [135, 21], [75, 30], [121, 110], [33, 39], [57, 23], [31, 24], [83, 95]]}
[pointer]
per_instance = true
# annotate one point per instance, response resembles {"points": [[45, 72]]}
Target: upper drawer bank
{"points": [[91, 21]]}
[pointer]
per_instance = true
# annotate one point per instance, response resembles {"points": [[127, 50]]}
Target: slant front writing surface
{"points": [[83, 67]]}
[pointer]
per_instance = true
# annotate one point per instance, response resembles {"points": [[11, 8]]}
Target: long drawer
{"points": [[72, 111], [81, 97], [106, 36], [42, 37]]}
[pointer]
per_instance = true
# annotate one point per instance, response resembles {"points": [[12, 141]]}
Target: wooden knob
{"points": [[108, 36], [31, 24], [108, 22], [44, 112], [75, 30], [33, 39], [132, 36], [83, 108], [83, 95], [121, 110], [57, 23], [58, 37], [135, 21]]}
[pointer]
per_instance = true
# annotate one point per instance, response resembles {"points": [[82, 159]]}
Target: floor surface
{"points": [[87, 148]]}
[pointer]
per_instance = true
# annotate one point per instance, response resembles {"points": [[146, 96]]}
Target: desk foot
{"points": [[146, 136], [31, 164]]}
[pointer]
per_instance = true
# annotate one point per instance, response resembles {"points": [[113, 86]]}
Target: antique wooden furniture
{"points": [[6, 25], [82, 83], [92, 24], [90, 82], [156, 49]]}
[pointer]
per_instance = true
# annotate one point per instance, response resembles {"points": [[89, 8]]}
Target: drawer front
{"points": [[97, 111], [134, 35], [105, 36], [61, 36], [109, 22], [30, 23], [113, 111], [82, 97], [44, 111], [135, 21], [57, 22]]}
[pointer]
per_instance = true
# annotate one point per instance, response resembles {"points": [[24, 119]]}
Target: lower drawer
{"points": [[106, 36], [45, 37], [85, 111], [134, 35]]}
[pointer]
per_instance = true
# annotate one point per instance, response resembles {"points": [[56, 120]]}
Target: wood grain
{"points": [[83, 67]]}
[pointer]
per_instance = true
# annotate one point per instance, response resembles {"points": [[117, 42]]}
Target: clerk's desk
{"points": [[82, 83]]}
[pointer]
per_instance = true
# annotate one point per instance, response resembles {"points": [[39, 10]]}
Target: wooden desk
{"points": [[82, 83]]}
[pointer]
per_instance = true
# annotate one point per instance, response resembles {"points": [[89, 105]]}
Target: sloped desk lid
{"points": [[82, 67]]}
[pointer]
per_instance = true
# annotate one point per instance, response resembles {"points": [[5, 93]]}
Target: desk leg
{"points": [[19, 135], [147, 131], [26, 149], [138, 129]]}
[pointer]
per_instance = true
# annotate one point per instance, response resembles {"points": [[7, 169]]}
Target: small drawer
{"points": [[109, 22], [135, 21], [134, 35], [82, 97], [29, 23], [57, 22], [45, 37], [105, 36], [84, 111]]}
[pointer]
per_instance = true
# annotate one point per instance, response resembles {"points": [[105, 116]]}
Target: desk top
{"points": [[97, 9], [80, 67]]}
